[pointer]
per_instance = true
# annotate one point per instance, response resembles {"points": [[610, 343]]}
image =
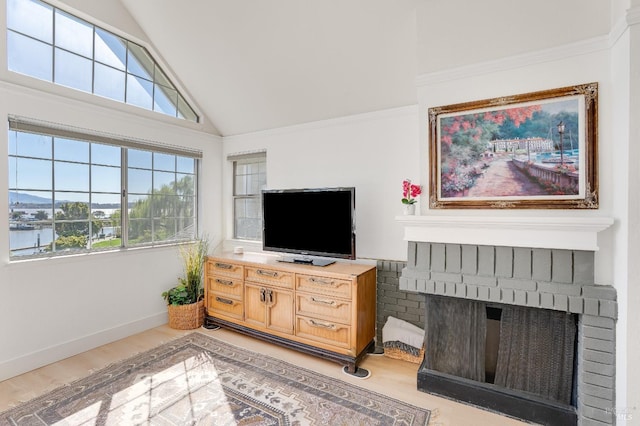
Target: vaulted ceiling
{"points": [[254, 64]]}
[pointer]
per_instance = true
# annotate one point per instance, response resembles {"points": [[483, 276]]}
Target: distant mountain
{"points": [[15, 197]]}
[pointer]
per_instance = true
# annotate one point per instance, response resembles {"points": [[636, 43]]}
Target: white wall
{"points": [[373, 152]]}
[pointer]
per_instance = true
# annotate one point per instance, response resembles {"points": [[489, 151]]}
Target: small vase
{"points": [[408, 209]]}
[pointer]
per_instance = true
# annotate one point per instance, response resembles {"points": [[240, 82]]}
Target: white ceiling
{"points": [[251, 65]]}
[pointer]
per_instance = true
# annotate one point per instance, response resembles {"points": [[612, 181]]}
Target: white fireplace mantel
{"points": [[570, 233]]}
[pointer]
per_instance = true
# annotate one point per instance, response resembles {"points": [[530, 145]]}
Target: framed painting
{"points": [[530, 151]]}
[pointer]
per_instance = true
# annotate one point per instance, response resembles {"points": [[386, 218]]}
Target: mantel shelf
{"points": [[571, 233]]}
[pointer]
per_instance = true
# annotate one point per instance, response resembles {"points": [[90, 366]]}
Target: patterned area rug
{"points": [[197, 379]]}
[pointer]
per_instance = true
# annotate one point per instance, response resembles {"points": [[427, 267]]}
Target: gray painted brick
{"points": [[522, 263], [410, 304], [394, 307], [599, 292], [486, 260], [480, 280], [469, 259], [561, 302], [504, 262], [453, 258], [450, 289], [461, 290], [546, 301], [518, 284], [411, 254], [598, 333], [568, 289], [583, 270], [446, 276], [404, 283], [438, 258], [597, 414], [541, 265], [483, 293], [431, 287], [608, 309], [598, 322], [591, 306], [594, 401], [598, 345], [472, 291], [421, 285], [423, 256], [389, 300], [508, 295], [440, 289], [562, 266], [520, 297], [396, 294], [408, 317], [576, 304], [597, 368], [533, 299], [416, 297], [598, 356], [583, 421], [599, 391]]}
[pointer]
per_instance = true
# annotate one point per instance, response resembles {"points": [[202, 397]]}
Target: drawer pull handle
{"points": [[324, 302], [320, 281], [224, 282], [225, 301], [223, 265], [262, 272], [322, 324]]}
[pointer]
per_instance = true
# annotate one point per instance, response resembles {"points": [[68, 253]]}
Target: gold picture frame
{"points": [[536, 150]]}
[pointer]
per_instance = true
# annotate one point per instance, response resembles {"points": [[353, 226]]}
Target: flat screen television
{"points": [[310, 222]]}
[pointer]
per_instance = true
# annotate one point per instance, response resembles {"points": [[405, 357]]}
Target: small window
{"points": [[249, 179]]}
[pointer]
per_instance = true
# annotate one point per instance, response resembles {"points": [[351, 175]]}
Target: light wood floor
{"points": [[390, 377]]}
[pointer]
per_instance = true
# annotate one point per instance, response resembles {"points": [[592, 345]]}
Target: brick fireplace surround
{"points": [[540, 278]]}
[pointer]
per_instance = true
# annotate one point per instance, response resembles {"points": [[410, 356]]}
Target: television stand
{"points": [[328, 312], [307, 261]]}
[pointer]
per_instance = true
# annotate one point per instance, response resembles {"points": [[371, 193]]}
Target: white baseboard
{"points": [[23, 364]]}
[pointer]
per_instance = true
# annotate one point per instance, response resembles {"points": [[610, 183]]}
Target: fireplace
{"points": [[549, 285]]}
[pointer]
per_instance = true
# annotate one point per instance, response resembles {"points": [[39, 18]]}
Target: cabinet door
{"points": [[254, 305], [280, 309]]}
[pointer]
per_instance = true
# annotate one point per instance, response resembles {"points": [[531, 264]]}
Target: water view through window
{"points": [[68, 195]]}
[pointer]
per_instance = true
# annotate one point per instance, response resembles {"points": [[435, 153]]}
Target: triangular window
{"points": [[49, 44]]}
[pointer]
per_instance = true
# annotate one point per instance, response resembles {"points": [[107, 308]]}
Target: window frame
{"points": [[125, 145], [256, 158]]}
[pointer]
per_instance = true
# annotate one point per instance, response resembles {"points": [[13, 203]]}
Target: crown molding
{"points": [[404, 111], [517, 61]]}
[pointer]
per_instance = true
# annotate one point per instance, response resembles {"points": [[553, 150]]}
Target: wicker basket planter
{"points": [[186, 317]]}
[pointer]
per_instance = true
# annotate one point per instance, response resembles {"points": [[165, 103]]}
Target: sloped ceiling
{"points": [[252, 65]]}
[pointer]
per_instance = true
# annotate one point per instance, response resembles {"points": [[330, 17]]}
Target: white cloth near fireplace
{"points": [[397, 330]]}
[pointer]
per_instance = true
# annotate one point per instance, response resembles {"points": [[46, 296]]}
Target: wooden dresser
{"points": [[327, 311]]}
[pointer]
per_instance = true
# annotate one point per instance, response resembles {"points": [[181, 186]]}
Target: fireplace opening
{"points": [[514, 359]]}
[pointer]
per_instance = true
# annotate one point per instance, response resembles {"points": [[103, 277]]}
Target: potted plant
{"points": [[409, 194], [186, 300]]}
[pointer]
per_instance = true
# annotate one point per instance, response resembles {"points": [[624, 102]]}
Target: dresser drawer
{"points": [[320, 306], [219, 267], [269, 276], [225, 285], [324, 285], [225, 306], [328, 332]]}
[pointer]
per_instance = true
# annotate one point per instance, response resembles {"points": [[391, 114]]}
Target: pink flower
{"points": [[410, 191]]}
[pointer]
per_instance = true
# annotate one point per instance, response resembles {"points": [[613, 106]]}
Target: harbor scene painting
{"points": [[536, 150]]}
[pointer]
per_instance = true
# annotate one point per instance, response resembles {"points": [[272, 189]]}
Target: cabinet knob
{"points": [[225, 301], [262, 272], [320, 324], [224, 282], [223, 265], [320, 281]]}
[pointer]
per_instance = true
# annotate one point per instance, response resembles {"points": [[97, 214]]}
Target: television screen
{"points": [[314, 222]]}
